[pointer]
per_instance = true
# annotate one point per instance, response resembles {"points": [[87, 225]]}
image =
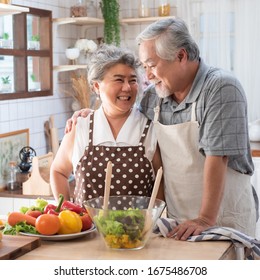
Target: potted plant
{"points": [[5, 42], [6, 84], [110, 12], [34, 84], [34, 43]]}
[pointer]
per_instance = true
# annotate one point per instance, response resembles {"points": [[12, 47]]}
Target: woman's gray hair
{"points": [[170, 35], [107, 56]]}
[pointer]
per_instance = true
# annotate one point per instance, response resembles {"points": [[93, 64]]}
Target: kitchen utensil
{"points": [[149, 220], [107, 184], [47, 135], [26, 155]]}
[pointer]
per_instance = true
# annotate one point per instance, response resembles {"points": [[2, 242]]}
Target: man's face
{"points": [[161, 72]]}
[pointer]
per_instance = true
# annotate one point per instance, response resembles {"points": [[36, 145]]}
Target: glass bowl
{"points": [[127, 223]]}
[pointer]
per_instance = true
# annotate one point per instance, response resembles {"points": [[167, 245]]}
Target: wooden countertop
{"points": [[92, 247], [19, 193], [255, 149]]}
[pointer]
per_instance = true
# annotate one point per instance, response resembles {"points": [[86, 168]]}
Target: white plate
{"points": [[61, 237]]}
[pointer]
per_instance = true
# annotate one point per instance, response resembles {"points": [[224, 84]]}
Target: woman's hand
{"points": [[189, 228], [73, 120]]}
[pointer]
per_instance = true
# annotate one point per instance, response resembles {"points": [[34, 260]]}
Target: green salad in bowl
{"points": [[126, 224]]}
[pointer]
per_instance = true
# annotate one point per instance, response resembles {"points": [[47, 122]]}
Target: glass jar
{"points": [[144, 10], [79, 9], [6, 1], [164, 8], [91, 10], [12, 184]]}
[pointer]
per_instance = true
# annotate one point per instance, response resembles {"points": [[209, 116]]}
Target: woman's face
{"points": [[118, 90]]}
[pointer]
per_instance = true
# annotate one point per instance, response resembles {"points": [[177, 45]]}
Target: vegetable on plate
{"points": [[47, 224], [16, 217], [86, 221], [53, 209], [68, 205], [70, 222]]}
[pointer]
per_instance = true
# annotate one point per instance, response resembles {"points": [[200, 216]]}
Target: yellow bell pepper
{"points": [[70, 222]]}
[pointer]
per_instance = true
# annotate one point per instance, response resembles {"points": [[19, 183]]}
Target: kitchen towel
{"points": [[240, 240]]}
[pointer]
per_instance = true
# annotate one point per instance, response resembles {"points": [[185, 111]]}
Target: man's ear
{"points": [[182, 54]]}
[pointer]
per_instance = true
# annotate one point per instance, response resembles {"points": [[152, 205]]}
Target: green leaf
{"points": [[110, 12]]}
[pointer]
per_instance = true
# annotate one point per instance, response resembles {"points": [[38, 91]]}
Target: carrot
{"points": [[17, 217]]}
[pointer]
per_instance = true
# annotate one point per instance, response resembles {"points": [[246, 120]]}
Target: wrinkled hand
{"points": [[73, 120], [189, 228]]}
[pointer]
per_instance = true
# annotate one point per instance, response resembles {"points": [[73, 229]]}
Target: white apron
{"points": [[183, 166]]}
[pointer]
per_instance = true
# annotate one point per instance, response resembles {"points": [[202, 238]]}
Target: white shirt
{"points": [[129, 134]]}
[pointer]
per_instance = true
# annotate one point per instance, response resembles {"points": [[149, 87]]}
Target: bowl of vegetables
{"points": [[127, 222]]}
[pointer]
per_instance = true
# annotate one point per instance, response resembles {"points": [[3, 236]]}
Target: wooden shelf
{"points": [[63, 68], [79, 21], [141, 20], [98, 21], [6, 9]]}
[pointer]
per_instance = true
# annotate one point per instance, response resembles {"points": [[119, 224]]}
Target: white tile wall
{"points": [[32, 113]]}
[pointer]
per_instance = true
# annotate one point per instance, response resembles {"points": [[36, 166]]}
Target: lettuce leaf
{"points": [[119, 222], [40, 204], [22, 226]]}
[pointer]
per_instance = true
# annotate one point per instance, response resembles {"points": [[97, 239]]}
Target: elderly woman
{"points": [[116, 132]]}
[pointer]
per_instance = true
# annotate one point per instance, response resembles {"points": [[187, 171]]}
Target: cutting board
{"points": [[54, 136], [39, 180], [12, 246]]}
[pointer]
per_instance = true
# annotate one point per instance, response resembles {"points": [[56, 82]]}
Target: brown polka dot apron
{"points": [[132, 171]]}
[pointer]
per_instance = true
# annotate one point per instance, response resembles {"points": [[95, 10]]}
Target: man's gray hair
{"points": [[170, 35]]}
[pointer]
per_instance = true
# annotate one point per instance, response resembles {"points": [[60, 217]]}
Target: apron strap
{"points": [[91, 126], [147, 125], [157, 111], [193, 112]]}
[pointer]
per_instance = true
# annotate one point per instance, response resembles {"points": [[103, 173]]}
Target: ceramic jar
{"points": [[72, 54]]}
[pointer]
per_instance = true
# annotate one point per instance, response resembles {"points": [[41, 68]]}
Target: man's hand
{"points": [[189, 228], [73, 120]]}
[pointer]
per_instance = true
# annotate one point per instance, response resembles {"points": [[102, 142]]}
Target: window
{"points": [[26, 54]]}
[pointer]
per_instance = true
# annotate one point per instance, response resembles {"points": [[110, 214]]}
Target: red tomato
{"points": [[86, 221], [47, 224], [34, 213]]}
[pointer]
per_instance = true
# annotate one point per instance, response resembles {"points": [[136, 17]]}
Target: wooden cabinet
{"points": [[27, 60]]}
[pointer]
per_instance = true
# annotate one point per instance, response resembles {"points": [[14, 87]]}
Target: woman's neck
{"points": [[116, 122]]}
